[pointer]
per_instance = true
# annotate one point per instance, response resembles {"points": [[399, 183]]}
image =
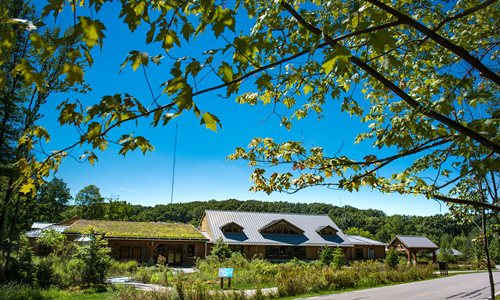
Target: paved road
{"points": [[466, 286]]}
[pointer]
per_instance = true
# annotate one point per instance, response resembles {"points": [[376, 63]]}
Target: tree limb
{"points": [[494, 208], [394, 88], [458, 50]]}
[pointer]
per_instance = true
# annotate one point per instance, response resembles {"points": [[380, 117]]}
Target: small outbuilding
{"points": [[412, 244]]}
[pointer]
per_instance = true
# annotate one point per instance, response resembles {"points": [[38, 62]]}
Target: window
{"points": [[281, 227], [326, 230], [190, 250], [136, 253], [124, 253], [359, 253], [232, 228]]}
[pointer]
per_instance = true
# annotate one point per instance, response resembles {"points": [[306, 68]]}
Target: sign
{"points": [[225, 272]]}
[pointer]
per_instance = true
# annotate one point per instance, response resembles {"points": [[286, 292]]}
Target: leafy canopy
{"points": [[421, 75]]}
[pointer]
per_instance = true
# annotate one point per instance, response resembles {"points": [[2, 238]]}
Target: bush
{"points": [[392, 259], [338, 258], [19, 292], [220, 250], [44, 275], [123, 268], [326, 255], [93, 260]]}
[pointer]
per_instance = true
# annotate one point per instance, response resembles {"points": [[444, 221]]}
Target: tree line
{"points": [[447, 231]]}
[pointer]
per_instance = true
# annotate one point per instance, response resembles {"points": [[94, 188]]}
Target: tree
{"points": [[90, 203], [427, 69], [93, 260], [220, 250], [392, 259], [52, 199], [358, 231], [326, 255], [338, 258]]}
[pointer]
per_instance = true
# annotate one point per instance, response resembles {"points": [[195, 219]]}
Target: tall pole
{"points": [[173, 167]]}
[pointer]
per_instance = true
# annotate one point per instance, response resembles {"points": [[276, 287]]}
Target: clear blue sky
{"points": [[202, 171]]}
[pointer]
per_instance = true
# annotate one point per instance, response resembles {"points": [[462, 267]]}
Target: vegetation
{"points": [[136, 229], [292, 278]]}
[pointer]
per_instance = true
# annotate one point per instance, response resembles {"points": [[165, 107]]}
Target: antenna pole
{"points": [[173, 167]]}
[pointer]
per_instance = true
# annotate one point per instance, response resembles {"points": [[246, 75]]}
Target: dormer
{"points": [[326, 230], [280, 226], [231, 227]]}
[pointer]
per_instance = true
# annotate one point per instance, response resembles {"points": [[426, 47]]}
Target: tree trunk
{"points": [[487, 253]]}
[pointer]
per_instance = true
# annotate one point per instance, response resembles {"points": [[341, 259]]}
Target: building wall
{"points": [[176, 252]]}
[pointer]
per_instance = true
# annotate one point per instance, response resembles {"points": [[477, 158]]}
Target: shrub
{"points": [[93, 260], [123, 268], [19, 292], [220, 250], [326, 255], [338, 258], [44, 275], [392, 259]]}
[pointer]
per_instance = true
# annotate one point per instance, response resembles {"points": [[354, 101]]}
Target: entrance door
{"points": [[172, 253]]}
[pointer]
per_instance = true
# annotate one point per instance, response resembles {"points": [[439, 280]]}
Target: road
{"points": [[466, 286]]}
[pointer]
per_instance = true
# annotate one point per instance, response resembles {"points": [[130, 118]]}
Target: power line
{"points": [[173, 167]]}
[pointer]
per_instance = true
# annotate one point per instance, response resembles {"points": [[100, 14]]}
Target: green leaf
{"points": [[74, 73], [223, 17], [210, 121], [339, 57], [226, 72], [187, 30], [92, 31]]}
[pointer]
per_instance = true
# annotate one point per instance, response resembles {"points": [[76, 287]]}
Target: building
{"points": [[412, 244], [273, 236], [281, 236], [365, 248], [141, 241]]}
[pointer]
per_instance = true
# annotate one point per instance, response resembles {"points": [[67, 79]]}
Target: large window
{"points": [[285, 252], [281, 227]]}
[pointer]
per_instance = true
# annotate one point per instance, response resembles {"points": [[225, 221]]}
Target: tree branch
{"points": [[394, 88], [494, 208], [458, 50]]}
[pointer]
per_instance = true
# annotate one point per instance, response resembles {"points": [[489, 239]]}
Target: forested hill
{"points": [[368, 222]]}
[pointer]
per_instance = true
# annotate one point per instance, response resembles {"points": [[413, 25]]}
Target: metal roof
{"points": [[413, 241], [39, 225], [359, 240], [38, 232], [253, 221]]}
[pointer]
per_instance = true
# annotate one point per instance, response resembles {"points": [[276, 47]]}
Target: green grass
{"points": [[136, 229]]}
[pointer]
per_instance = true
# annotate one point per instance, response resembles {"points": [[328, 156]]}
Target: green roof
{"points": [[125, 229]]}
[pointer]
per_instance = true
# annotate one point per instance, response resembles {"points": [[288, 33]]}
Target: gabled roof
{"points": [[360, 240], [137, 230], [254, 221], [276, 222], [232, 224], [413, 241], [36, 233], [40, 225], [325, 227]]}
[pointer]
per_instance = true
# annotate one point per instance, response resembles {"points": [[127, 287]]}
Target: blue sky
{"points": [[202, 171]]}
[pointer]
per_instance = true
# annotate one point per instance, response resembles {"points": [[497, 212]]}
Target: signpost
{"points": [[225, 273]]}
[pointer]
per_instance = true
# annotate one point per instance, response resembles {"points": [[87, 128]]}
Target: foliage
{"points": [[359, 232], [338, 258], [220, 250], [90, 203], [119, 268], [326, 255], [93, 260], [136, 229], [52, 198], [391, 258], [53, 239]]}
